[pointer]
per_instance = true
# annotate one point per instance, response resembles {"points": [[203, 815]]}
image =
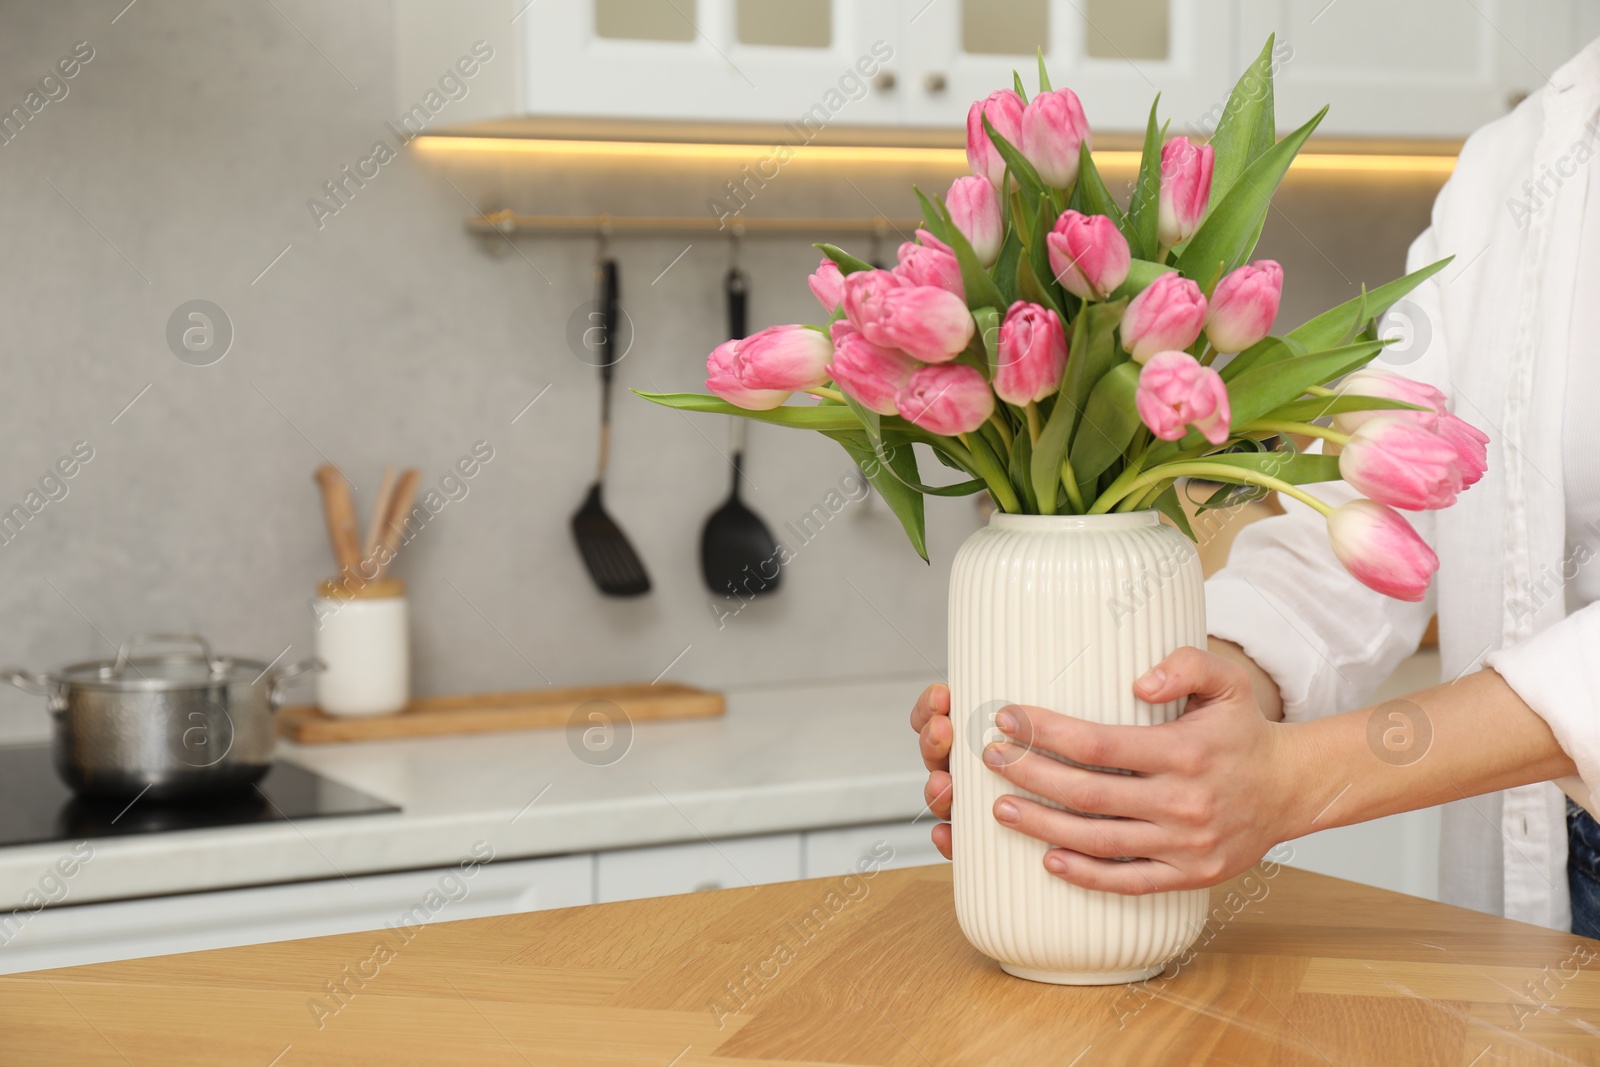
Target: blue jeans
{"points": [[1583, 870]]}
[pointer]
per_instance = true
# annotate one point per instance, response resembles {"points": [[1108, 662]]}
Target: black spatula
{"points": [[612, 562], [737, 552]]}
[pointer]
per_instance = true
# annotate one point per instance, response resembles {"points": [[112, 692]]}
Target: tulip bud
{"points": [[1471, 445], [723, 379], [827, 285], [1243, 306], [1402, 463], [1053, 127], [1088, 254], [1030, 355], [870, 374], [1185, 190], [926, 322], [948, 399], [1370, 381], [930, 263], [975, 208], [1381, 549], [1168, 314], [1176, 392], [1004, 110]]}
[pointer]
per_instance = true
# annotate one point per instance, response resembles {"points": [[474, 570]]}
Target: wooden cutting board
{"points": [[489, 712]]}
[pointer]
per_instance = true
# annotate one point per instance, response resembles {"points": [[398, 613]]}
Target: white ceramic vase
{"points": [[1063, 612]]}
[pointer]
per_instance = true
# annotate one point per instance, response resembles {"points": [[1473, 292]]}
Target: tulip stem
{"points": [[824, 391], [1308, 429], [1070, 481], [984, 465], [1033, 422], [1209, 356], [1222, 472], [1005, 431], [1320, 390]]}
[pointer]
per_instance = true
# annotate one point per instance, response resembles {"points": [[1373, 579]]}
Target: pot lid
{"points": [[197, 667]]}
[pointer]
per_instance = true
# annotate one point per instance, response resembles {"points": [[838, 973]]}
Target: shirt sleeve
{"points": [[1557, 674], [1327, 640]]}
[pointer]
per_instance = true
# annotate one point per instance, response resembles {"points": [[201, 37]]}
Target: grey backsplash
{"points": [[180, 164]]}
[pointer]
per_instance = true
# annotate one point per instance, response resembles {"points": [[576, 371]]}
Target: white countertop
{"points": [[779, 760]]}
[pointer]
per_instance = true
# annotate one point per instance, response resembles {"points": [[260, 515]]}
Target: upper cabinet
{"points": [[1417, 68], [1388, 68]]}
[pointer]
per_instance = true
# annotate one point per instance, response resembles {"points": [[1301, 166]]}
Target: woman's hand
{"points": [[931, 719], [1211, 792]]}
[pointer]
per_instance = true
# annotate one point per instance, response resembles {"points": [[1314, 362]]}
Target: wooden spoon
{"points": [[340, 512]]}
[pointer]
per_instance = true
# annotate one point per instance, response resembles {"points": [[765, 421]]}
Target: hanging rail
{"points": [[510, 223]]}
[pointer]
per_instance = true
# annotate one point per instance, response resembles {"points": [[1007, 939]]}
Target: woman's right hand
{"points": [[931, 719]]}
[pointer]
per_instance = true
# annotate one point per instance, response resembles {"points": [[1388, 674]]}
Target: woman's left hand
{"points": [[1211, 792]]}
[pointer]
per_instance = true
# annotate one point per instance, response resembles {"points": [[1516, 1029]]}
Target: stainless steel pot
{"points": [[165, 725]]}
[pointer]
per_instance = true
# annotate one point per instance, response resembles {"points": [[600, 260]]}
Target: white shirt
{"points": [[1580, 427], [1518, 217]]}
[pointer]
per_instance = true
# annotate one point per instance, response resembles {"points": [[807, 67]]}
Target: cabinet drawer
{"points": [[662, 871], [856, 849]]}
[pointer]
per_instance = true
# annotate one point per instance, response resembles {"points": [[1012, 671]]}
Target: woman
{"points": [[1274, 743]]}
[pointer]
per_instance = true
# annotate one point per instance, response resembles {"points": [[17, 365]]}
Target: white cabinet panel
{"points": [[668, 869], [1423, 68], [857, 849], [95, 933]]}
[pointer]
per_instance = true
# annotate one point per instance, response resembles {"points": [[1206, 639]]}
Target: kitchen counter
{"points": [[780, 759], [1295, 968]]}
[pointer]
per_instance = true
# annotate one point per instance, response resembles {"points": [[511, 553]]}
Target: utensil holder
{"points": [[363, 637]]}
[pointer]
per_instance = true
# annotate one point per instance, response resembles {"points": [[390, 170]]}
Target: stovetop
{"points": [[37, 807]]}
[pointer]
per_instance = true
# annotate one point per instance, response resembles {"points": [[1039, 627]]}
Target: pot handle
{"points": [[125, 650], [289, 675], [27, 681]]}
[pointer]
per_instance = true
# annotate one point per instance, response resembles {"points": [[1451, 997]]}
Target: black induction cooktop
{"points": [[36, 806]]}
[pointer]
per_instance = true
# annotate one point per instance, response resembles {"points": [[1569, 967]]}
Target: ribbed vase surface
{"points": [[1062, 612]]}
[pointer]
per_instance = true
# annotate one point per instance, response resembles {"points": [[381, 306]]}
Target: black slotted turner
{"points": [[606, 551]]}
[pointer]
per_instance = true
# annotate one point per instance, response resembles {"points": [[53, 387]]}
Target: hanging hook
{"points": [[880, 230], [603, 240], [735, 241]]}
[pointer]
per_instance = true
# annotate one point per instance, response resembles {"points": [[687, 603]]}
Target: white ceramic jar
{"points": [[1062, 612], [363, 640]]}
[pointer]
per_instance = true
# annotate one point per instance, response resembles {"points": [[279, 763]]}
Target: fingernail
{"points": [[1006, 721], [1153, 678], [993, 756], [1055, 864], [1005, 811]]}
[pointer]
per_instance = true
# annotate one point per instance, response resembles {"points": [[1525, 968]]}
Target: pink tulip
{"points": [[1004, 110], [1471, 445], [930, 262], [1031, 354], [868, 373], [925, 321], [1175, 392], [1053, 127], [1402, 463], [1185, 189], [784, 357], [1167, 314], [948, 399], [975, 208], [1243, 306], [1371, 381], [724, 380], [1381, 549], [1089, 254], [827, 285]]}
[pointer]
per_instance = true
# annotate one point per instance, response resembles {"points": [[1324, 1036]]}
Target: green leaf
{"points": [[1005, 268], [1341, 323], [822, 417], [1093, 353], [1018, 469], [903, 500], [1262, 389], [1317, 407], [1228, 235], [1144, 207], [932, 220], [1030, 288], [1109, 423], [1296, 468], [1091, 197], [1044, 75], [981, 290], [1021, 169], [1016, 81], [848, 264], [1141, 272], [1267, 350], [988, 331], [1170, 506], [1246, 128]]}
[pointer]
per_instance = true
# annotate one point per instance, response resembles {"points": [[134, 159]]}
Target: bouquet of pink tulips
{"points": [[1072, 356]]}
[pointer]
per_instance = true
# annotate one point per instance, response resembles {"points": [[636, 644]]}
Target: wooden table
{"points": [[1296, 969]]}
